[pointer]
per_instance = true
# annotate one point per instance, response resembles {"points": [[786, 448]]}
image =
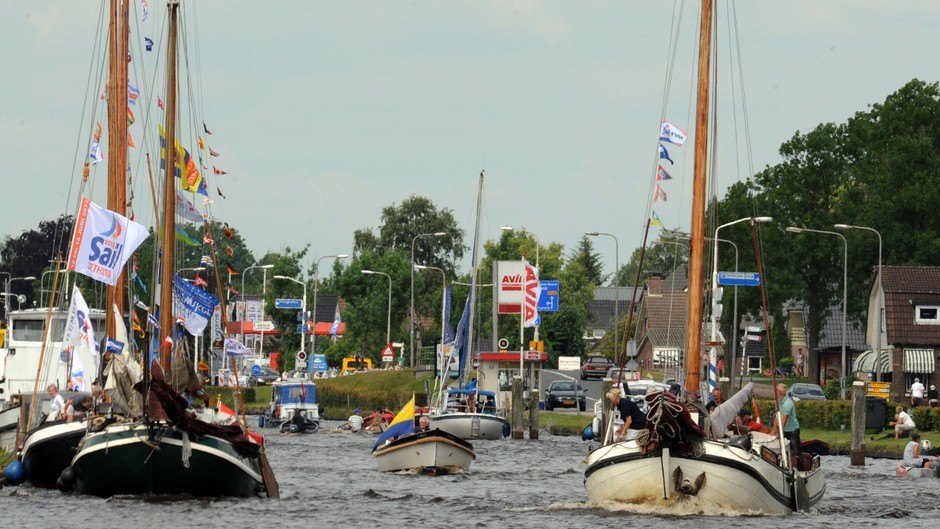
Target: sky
{"points": [[326, 112]]}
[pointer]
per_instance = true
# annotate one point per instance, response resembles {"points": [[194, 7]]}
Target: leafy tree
{"points": [[30, 255]]}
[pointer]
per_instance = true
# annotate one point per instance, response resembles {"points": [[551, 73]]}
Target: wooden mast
{"points": [[167, 243], [697, 245], [117, 140]]}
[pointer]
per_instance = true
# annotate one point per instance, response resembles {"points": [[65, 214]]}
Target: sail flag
{"points": [[132, 94], [206, 260], [79, 339], [148, 42], [672, 134], [218, 171], [661, 174], [184, 163], [533, 289], [102, 242], [97, 134], [145, 7], [231, 269], [160, 103], [130, 117], [664, 154], [193, 304], [460, 336], [235, 348], [205, 128], [449, 336], [334, 329], [659, 194], [402, 424], [200, 282], [186, 209], [184, 237], [654, 220], [200, 142], [212, 153], [95, 154]]}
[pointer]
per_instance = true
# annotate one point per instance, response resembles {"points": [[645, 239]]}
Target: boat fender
{"points": [[15, 473], [587, 434], [506, 429], [66, 480]]}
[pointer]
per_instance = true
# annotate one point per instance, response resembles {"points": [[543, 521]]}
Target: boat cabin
{"points": [[288, 396], [471, 401]]}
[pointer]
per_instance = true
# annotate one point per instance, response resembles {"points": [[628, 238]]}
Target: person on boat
{"points": [[57, 406], [917, 393], [717, 398], [424, 424], [932, 400], [80, 406], [912, 455], [791, 425], [903, 423], [633, 419], [745, 423], [298, 422], [354, 423]]}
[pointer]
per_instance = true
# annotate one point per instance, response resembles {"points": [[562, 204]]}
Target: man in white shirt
{"points": [[354, 423], [903, 423], [917, 393]]}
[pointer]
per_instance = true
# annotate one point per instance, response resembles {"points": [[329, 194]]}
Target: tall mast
{"points": [[697, 245], [117, 139], [167, 243], [473, 283]]}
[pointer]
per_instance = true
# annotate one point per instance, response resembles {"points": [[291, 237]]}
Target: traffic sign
{"points": [[503, 344], [388, 354], [548, 299], [288, 303], [305, 330], [739, 279]]}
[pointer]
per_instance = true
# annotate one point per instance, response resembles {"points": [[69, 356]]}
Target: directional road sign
{"points": [[548, 299], [739, 279], [288, 303]]}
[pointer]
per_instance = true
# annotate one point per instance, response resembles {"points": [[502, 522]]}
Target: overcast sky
{"points": [[325, 112]]}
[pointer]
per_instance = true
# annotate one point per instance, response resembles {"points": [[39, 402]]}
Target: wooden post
{"points": [[534, 415], [858, 424], [518, 407]]}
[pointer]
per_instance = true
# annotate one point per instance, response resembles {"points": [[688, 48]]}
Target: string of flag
{"points": [[672, 135]]}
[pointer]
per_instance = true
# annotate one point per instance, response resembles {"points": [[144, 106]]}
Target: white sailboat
{"points": [[674, 459]]}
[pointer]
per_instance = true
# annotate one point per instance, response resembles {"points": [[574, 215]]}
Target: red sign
{"points": [[388, 354]]}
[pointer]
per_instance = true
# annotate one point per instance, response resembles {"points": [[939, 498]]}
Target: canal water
{"points": [[328, 479]]}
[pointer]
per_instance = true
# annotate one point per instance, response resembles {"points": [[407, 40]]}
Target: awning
{"points": [[919, 361], [868, 363]]}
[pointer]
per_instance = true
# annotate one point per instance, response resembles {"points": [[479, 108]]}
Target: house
{"points": [[824, 362], [607, 302], [661, 323], [908, 300]]}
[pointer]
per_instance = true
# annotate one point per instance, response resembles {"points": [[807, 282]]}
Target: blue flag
{"points": [[334, 329], [664, 154], [402, 424], [149, 43], [448, 330]]}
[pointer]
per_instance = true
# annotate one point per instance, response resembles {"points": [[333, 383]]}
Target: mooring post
{"points": [[533, 415], [857, 457], [518, 407]]}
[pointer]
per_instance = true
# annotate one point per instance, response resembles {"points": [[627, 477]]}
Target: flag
{"points": [[145, 7], [140, 282], [184, 237], [230, 251], [664, 154], [114, 347], [130, 140], [79, 338], [160, 103], [671, 133], [193, 305], [235, 348], [168, 340], [659, 194], [231, 270], [130, 117], [228, 231], [219, 191], [97, 134], [132, 94], [203, 187], [205, 128], [402, 424], [207, 240], [661, 174], [200, 282], [183, 163], [186, 209], [224, 415], [334, 329], [95, 154], [212, 153], [230, 289], [532, 291], [449, 336], [218, 171], [153, 321], [206, 260], [654, 220], [199, 142], [149, 43], [102, 242]]}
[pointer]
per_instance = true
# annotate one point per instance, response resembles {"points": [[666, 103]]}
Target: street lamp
{"points": [[244, 308], [316, 272], [616, 288], [196, 269], [734, 326], [443, 297], [6, 298], [411, 315], [713, 352], [522, 305], [878, 334], [388, 325], [303, 310], [845, 292]]}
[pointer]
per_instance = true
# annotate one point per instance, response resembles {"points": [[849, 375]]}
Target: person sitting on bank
{"points": [[354, 423], [424, 424], [903, 423], [633, 419], [912, 455]]}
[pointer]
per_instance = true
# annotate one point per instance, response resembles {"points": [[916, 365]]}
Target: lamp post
{"points": [[616, 288], [713, 353], [522, 305], [880, 308], [734, 325], [845, 292], [388, 324], [316, 273], [303, 310], [411, 314], [6, 298], [443, 297], [244, 308]]}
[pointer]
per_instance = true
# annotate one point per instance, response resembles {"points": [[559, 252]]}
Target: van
{"points": [[351, 364]]}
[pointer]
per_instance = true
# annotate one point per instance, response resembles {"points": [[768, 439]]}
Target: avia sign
{"points": [[510, 287]]}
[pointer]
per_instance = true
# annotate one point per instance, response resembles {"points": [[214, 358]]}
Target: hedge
{"points": [[832, 414]]}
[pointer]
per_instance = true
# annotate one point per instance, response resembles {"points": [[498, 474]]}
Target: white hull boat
{"points": [[467, 425], [434, 452]]}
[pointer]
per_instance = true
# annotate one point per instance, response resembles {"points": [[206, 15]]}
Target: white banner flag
{"points": [[102, 242], [79, 341], [186, 209], [532, 291]]}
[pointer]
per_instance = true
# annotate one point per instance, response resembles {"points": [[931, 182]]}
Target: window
{"points": [[927, 314]]}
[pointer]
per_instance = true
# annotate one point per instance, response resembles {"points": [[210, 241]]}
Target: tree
{"points": [[590, 261], [30, 255]]}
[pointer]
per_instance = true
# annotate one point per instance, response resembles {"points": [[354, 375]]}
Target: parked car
{"points": [[804, 391], [614, 374], [595, 366], [565, 394], [264, 377]]}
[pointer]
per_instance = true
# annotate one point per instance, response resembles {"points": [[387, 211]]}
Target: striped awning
{"points": [[870, 362], [919, 361]]}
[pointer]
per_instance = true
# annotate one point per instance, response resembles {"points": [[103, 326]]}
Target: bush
{"points": [[832, 414]]}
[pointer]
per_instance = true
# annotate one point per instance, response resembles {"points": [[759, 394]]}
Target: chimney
{"points": [[654, 283]]}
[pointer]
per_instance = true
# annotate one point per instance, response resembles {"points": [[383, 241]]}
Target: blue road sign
{"points": [[319, 363], [288, 303], [739, 279], [548, 300], [306, 329]]}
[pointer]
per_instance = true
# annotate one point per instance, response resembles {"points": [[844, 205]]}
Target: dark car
{"points": [[804, 391], [565, 394], [595, 367], [265, 377]]}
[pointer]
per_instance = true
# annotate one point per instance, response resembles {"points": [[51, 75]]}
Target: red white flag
{"points": [[531, 289]]}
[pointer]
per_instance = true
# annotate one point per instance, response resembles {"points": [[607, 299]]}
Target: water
{"points": [[329, 480]]}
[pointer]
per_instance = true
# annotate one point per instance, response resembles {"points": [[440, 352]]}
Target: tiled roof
{"points": [[831, 335], [602, 308], [663, 319], [678, 281], [903, 286]]}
